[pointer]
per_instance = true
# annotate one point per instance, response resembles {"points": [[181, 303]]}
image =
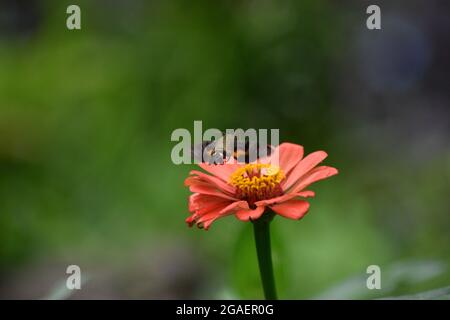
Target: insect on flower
{"points": [[230, 146]]}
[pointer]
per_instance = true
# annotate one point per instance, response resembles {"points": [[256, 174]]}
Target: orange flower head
{"points": [[246, 190]]}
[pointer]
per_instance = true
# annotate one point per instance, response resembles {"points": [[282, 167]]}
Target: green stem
{"points": [[261, 228]]}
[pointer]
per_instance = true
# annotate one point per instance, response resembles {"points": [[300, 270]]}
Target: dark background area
{"points": [[86, 117]]}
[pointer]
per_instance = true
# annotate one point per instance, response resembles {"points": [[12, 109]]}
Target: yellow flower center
{"points": [[255, 182]]}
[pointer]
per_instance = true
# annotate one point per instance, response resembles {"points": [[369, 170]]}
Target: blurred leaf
{"points": [[392, 277], [61, 292], [437, 294]]}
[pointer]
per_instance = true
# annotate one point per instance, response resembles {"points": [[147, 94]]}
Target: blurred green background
{"points": [[86, 117]]}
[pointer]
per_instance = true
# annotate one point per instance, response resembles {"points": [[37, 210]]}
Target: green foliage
{"points": [[85, 124]]}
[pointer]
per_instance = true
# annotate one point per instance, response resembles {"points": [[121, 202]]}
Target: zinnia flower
{"points": [[248, 190]]}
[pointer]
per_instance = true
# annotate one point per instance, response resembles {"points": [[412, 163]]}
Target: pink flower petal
{"points": [[214, 181], [219, 205], [207, 219], [303, 167], [238, 205], [191, 180], [198, 201], [289, 155], [250, 214], [285, 197], [207, 209], [222, 171], [306, 194], [205, 189], [292, 209], [190, 220], [207, 224], [314, 175]]}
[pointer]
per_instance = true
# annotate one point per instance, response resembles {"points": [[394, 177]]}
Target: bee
{"points": [[221, 150]]}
